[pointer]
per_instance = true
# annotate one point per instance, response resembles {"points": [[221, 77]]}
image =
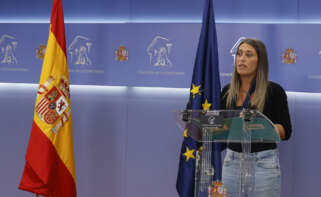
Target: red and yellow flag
{"points": [[50, 166]]}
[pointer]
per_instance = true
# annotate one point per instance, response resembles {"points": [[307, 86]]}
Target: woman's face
{"points": [[246, 60]]}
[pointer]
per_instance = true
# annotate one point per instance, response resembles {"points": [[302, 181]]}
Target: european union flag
{"points": [[205, 94]]}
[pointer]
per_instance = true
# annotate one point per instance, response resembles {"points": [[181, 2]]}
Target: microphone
{"points": [[185, 113]]}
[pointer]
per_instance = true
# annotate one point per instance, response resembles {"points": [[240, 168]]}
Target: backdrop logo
{"points": [[40, 52], [233, 50], [8, 45], [79, 50], [289, 56], [159, 50], [121, 54]]}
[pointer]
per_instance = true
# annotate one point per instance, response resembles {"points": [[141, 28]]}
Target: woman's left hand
{"points": [[280, 130]]}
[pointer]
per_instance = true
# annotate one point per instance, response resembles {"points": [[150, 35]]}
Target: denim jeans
{"points": [[267, 179]]}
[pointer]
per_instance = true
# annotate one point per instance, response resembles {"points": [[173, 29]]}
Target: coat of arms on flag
{"points": [[53, 103]]}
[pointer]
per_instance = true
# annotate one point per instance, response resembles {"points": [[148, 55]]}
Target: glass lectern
{"points": [[241, 126]]}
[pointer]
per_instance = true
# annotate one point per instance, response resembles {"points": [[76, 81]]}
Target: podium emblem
{"points": [[211, 120], [217, 190]]}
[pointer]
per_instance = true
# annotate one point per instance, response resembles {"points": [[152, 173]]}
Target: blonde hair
{"points": [[261, 78]]}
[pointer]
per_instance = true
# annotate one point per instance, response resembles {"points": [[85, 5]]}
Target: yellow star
{"points": [[206, 105], [195, 90], [185, 133], [189, 154]]}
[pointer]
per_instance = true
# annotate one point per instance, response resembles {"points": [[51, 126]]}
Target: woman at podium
{"points": [[250, 88]]}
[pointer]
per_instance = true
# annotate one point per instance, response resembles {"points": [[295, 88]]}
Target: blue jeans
{"points": [[267, 179]]}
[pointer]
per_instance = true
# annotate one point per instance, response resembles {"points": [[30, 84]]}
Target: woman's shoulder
{"points": [[224, 92], [225, 88], [275, 88]]}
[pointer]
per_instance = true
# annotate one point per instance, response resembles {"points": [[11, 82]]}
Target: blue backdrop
{"points": [[158, 55]]}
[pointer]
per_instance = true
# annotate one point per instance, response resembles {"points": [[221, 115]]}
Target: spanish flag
{"points": [[50, 168]]}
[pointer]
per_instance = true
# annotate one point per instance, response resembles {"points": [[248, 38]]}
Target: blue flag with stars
{"points": [[205, 94]]}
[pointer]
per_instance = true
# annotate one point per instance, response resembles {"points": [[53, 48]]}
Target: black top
{"points": [[275, 108]]}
